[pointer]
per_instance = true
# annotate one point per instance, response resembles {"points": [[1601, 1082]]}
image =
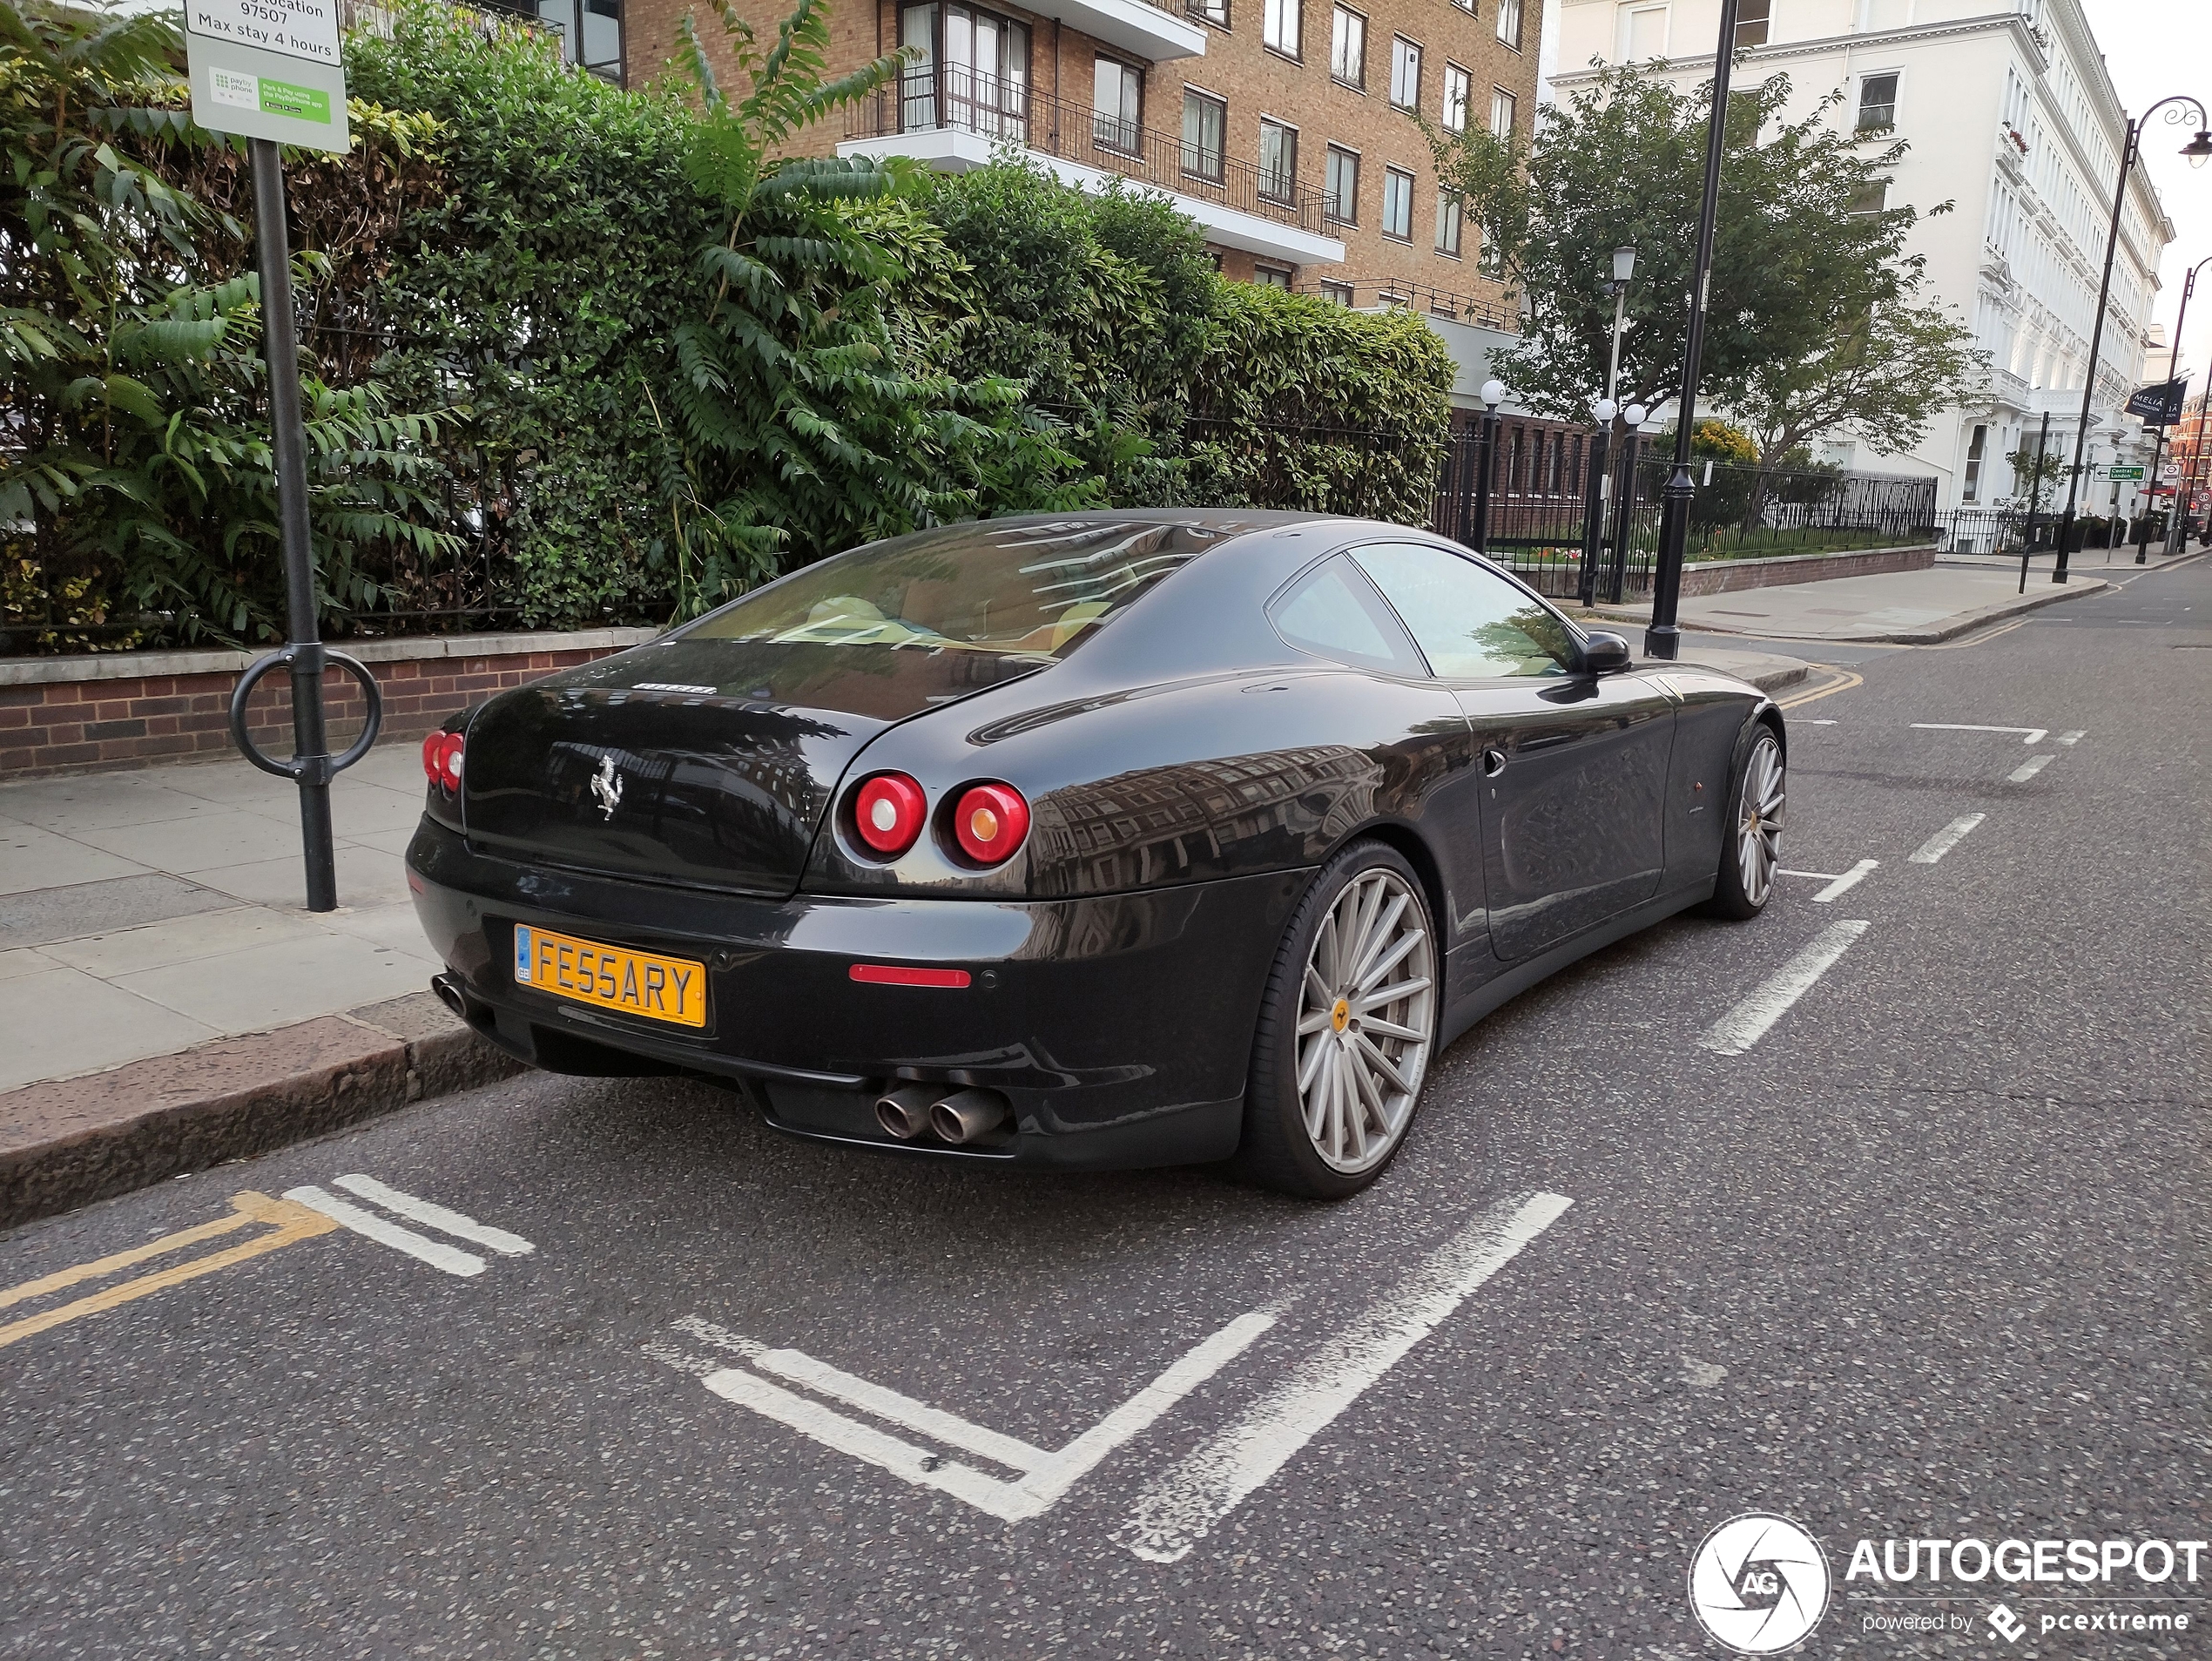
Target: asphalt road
{"points": [[1928, 1257]]}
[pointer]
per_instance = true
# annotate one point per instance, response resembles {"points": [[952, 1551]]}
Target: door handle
{"points": [[1494, 762]]}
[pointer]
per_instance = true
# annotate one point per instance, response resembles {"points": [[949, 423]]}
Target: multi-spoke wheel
{"points": [[1346, 1028], [1754, 846]]}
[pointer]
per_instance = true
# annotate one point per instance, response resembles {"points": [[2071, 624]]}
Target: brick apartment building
{"points": [[1278, 126]]}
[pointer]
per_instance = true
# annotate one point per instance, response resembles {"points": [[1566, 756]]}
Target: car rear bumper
{"points": [[1117, 1027]]}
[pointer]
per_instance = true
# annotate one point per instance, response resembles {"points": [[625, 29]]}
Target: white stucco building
{"points": [[2011, 120]]}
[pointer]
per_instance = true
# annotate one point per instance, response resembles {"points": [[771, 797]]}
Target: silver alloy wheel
{"points": [[1758, 832], [1366, 1019]]}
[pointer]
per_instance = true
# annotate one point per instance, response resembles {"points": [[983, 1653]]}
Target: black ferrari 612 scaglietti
{"points": [[1103, 839]]}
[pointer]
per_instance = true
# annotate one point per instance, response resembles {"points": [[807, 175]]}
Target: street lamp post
{"points": [[1624, 268], [1624, 504], [2198, 149], [1664, 638], [1602, 413], [1493, 393], [2173, 371]]}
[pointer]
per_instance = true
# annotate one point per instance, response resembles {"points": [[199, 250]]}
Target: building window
{"points": [[1871, 200], [1405, 73], [1216, 11], [1974, 448], [1450, 214], [590, 33], [1337, 293], [1117, 91], [1877, 103], [1205, 124], [1490, 261], [1464, 5], [1278, 27], [1643, 34], [1458, 85], [1277, 161], [1501, 112], [1751, 20], [1509, 23], [1272, 277], [1348, 48], [1341, 189], [971, 71], [1398, 204]]}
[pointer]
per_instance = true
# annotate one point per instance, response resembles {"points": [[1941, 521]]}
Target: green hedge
{"points": [[498, 276]]}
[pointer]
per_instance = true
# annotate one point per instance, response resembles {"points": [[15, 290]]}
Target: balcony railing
{"points": [[1008, 112], [1401, 294]]}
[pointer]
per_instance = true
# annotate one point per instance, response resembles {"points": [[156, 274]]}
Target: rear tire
{"points": [[1751, 848], [1347, 1027]]}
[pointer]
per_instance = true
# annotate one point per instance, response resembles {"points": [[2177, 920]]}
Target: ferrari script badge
{"points": [[607, 787]]}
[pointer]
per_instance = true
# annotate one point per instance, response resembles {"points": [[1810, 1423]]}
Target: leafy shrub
{"points": [[1297, 402], [137, 486]]}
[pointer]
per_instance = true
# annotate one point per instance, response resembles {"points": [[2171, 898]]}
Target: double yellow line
{"points": [[286, 1220]]}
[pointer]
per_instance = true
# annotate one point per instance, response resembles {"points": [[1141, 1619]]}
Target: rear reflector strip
{"points": [[886, 974]]}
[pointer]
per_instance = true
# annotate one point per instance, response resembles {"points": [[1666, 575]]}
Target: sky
{"points": [[2153, 47]]}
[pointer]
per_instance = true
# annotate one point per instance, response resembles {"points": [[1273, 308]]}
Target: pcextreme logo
{"points": [[1759, 1583]]}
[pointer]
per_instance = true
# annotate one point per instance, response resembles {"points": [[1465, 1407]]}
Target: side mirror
{"points": [[1606, 654]]}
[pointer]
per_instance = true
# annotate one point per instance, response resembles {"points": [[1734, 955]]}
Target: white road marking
{"points": [[1814, 723], [2032, 734], [1746, 1023], [422, 1211], [384, 1233], [1817, 876], [953, 1431], [1045, 1476], [1846, 882], [1177, 1508], [2069, 738], [1945, 839], [2028, 769], [721, 1337]]}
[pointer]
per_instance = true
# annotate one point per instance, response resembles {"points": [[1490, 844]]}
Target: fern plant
{"points": [[799, 424], [136, 473]]}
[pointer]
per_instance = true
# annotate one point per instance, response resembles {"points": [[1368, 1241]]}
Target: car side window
{"points": [[1333, 611], [1471, 623]]}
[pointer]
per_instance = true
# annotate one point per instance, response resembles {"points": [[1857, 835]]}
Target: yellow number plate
{"points": [[612, 977]]}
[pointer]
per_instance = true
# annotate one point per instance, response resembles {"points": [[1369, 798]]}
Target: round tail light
{"points": [[989, 822], [887, 813], [442, 759]]}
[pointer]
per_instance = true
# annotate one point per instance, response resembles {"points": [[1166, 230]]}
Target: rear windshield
{"points": [[1031, 590]]}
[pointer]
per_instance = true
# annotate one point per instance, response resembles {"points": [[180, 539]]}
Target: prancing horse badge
{"points": [[607, 787]]}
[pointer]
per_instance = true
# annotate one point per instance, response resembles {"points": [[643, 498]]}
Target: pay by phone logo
{"points": [[1759, 1583]]}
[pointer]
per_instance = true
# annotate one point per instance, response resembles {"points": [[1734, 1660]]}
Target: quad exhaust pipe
{"points": [[957, 1117]]}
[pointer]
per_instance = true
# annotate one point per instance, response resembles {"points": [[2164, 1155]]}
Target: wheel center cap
{"points": [[1341, 1015]]}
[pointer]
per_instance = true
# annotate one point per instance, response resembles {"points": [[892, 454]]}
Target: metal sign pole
{"points": [[310, 743]]}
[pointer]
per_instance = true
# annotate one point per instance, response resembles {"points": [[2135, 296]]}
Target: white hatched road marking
{"points": [[1837, 884], [1176, 1508], [423, 1211], [1746, 1023], [2069, 738], [384, 1233], [436, 1254], [1044, 1475], [1945, 839], [2028, 769], [2030, 734]]}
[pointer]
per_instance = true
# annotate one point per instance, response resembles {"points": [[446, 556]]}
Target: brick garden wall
{"points": [[1732, 576], [109, 711]]}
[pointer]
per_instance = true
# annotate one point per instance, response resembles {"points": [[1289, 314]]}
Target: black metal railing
{"points": [[1544, 517], [1005, 111], [1404, 295]]}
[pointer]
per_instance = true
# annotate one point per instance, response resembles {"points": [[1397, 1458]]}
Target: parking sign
{"points": [[268, 69]]}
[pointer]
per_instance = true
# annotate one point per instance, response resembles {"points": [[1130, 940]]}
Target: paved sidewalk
{"points": [[1906, 608], [145, 913]]}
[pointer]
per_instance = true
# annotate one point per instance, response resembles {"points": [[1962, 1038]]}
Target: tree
{"points": [[803, 422], [1620, 163], [1880, 379]]}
